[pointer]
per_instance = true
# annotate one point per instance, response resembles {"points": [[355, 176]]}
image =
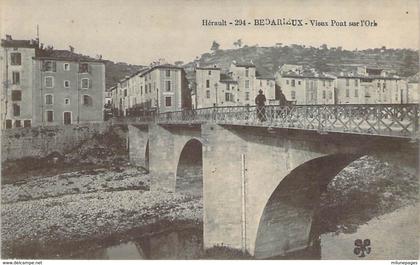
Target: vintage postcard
{"points": [[209, 130]]}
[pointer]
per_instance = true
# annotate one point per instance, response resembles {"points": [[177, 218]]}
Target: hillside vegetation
{"points": [[116, 71]]}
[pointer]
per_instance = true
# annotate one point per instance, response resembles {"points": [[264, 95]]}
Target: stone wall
{"points": [[44, 140]]}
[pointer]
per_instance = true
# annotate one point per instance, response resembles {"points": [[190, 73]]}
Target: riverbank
{"points": [[56, 216]]}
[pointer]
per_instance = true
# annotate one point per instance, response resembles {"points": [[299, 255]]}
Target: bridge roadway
{"points": [[262, 174]]}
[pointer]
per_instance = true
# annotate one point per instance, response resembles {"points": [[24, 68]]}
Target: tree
{"points": [[179, 63], [324, 47], [215, 46], [238, 43]]}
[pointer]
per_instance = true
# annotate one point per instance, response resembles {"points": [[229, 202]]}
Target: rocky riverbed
{"points": [[55, 216]]}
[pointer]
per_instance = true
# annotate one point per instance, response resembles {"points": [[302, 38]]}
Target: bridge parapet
{"points": [[396, 120]]}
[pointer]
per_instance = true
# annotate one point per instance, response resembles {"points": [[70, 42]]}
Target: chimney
{"points": [[8, 37], [71, 48]]}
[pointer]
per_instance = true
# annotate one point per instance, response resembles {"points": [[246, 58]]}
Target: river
{"points": [[392, 236]]}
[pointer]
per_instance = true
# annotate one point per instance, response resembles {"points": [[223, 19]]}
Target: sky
{"points": [[142, 31]]}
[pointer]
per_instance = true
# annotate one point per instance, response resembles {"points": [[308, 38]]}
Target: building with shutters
{"points": [[45, 86], [70, 88], [161, 87], [17, 82]]}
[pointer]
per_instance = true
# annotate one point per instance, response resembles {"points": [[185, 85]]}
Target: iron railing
{"points": [[377, 119]]}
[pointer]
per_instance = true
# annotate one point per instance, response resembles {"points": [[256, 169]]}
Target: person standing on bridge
{"points": [[260, 102]]}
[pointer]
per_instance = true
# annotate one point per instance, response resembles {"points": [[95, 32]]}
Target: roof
{"points": [[64, 55], [414, 78], [170, 66], [138, 72], [265, 77], [207, 68], [224, 78], [20, 43], [369, 77], [247, 65], [306, 74]]}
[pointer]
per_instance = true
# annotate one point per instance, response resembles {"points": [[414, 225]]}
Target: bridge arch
{"points": [[289, 221], [189, 168]]}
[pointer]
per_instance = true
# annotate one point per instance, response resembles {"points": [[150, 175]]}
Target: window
{"points": [[287, 82], [227, 96], [49, 82], [16, 110], [324, 94], [347, 92], [384, 85], [86, 83], [27, 123], [168, 101], [18, 124], [50, 115], [246, 73], [260, 82], [87, 100], [83, 68], [168, 85], [356, 93], [246, 83], [209, 72], [299, 82], [207, 83], [67, 117], [125, 92], [66, 67], [207, 93], [141, 90], [323, 83], [66, 83], [16, 78], [8, 124], [330, 95], [48, 99], [293, 82], [66, 101], [356, 82], [347, 82], [15, 58], [16, 95], [49, 66], [168, 73], [379, 85], [246, 95], [293, 94]]}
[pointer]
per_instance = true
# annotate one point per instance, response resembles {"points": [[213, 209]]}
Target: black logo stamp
{"points": [[362, 247]]}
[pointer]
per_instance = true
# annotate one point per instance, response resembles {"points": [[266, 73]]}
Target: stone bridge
{"points": [[263, 170]]}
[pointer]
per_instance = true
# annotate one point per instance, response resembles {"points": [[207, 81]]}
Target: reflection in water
{"points": [[391, 235], [184, 244]]}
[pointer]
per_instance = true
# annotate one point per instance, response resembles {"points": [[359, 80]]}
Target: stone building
{"points": [[369, 86], [238, 86], [306, 86], [45, 86], [16, 69], [161, 87], [69, 88]]}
